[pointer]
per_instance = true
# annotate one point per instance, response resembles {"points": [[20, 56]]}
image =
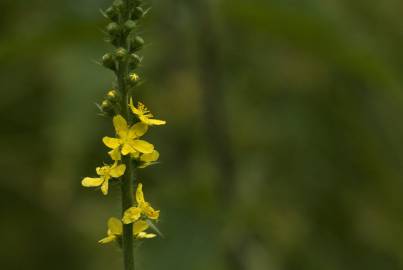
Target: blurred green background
{"points": [[282, 151]]}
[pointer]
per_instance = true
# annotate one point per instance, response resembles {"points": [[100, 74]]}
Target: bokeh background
{"points": [[283, 149]]}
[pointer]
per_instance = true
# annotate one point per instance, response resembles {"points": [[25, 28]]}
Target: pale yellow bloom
{"points": [[115, 230], [105, 174], [134, 213], [149, 159], [144, 114], [127, 139]]}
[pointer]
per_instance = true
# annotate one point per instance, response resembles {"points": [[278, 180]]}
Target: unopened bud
{"points": [[138, 12], [108, 61], [112, 96], [112, 14], [121, 53], [119, 4], [107, 107], [137, 43], [113, 28], [130, 25], [134, 61]]}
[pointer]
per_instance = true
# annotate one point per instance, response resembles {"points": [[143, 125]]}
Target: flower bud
{"points": [[134, 61], [134, 79], [130, 25], [137, 43], [108, 61], [107, 107], [112, 14], [113, 28], [118, 4], [138, 12], [112, 96], [121, 54]]}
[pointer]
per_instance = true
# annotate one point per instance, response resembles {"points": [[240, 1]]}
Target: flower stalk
{"points": [[128, 152]]}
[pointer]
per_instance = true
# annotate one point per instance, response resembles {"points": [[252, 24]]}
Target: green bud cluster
{"points": [[121, 31], [110, 106]]}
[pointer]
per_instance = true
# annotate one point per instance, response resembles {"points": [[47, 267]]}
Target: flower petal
{"points": [[105, 186], [142, 146], [111, 142], [130, 215], [115, 154], [127, 149], [135, 155], [107, 239], [150, 212], [140, 194], [120, 124], [152, 122], [92, 182], [134, 109], [137, 130], [117, 171], [115, 226], [144, 235], [151, 157], [139, 226]]}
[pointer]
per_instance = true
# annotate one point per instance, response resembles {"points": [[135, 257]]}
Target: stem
{"points": [[127, 186]]}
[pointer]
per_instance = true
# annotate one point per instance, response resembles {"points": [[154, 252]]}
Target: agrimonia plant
{"points": [[128, 152]]}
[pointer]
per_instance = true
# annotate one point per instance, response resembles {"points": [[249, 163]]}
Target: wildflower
{"points": [[144, 114], [106, 173], [115, 229], [127, 141], [145, 160], [149, 159], [134, 213]]}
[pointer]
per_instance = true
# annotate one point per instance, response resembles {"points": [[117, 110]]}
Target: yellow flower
{"points": [[139, 228], [149, 159], [106, 172], [134, 213], [144, 114], [115, 229], [127, 141]]}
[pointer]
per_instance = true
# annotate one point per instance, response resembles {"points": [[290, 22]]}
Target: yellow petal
{"points": [[120, 125], [111, 142], [153, 122], [92, 182], [140, 194], [115, 154], [127, 149], [134, 109], [102, 170], [105, 186], [137, 130], [117, 171], [131, 215], [142, 146], [150, 212], [107, 239], [139, 226], [135, 155], [115, 226], [151, 157], [144, 235]]}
